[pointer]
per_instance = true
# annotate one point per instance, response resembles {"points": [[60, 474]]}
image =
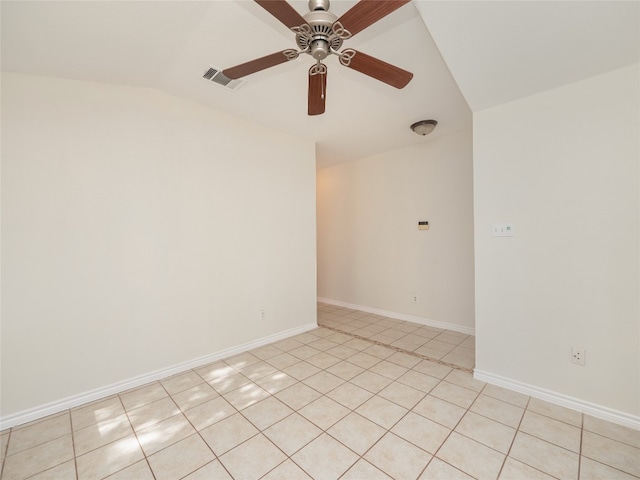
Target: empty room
{"points": [[346, 239]]}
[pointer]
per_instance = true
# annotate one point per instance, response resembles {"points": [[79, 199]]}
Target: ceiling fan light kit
{"points": [[320, 33], [424, 127]]}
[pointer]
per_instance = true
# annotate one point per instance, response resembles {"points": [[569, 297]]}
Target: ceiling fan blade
{"points": [[376, 68], [317, 90], [283, 11], [368, 12], [256, 65]]}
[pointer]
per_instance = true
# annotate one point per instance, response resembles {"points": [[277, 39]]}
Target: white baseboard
{"points": [[598, 411], [102, 392], [401, 316]]}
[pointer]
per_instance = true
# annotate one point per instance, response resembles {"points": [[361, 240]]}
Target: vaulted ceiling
{"points": [[465, 55]]}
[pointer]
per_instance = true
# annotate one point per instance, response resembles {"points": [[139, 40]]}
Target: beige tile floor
{"points": [[446, 346], [320, 405]]}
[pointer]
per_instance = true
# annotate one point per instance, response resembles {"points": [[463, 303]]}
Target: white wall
{"points": [[563, 167], [140, 231], [370, 252]]}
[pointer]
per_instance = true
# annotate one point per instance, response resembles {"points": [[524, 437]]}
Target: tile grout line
{"points": [[405, 333], [351, 411], [261, 431], [449, 436], [272, 395], [126, 412], [580, 448], [325, 370], [506, 455], [182, 412], [401, 350], [6, 450], [223, 396], [518, 430], [192, 425], [167, 446], [388, 430], [73, 445], [33, 423], [298, 381], [603, 435], [524, 411], [326, 395], [326, 431]]}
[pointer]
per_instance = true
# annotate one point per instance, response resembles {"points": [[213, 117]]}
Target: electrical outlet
{"points": [[415, 299], [578, 356]]}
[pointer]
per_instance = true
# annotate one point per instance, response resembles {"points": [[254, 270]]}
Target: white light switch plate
{"points": [[502, 230]]}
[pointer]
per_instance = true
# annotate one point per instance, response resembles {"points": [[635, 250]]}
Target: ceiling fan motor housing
{"points": [[321, 40]]}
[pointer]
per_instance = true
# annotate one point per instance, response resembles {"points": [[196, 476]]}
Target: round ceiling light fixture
{"points": [[424, 127]]}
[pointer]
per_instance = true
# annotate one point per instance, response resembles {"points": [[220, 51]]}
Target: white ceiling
{"points": [[497, 51]]}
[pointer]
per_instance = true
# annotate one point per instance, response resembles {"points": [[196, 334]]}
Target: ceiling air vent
{"points": [[215, 75]]}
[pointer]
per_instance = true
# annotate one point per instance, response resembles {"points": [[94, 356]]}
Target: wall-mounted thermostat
{"points": [[423, 225]]}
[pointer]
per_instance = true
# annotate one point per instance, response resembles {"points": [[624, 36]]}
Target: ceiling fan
{"points": [[320, 33]]}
